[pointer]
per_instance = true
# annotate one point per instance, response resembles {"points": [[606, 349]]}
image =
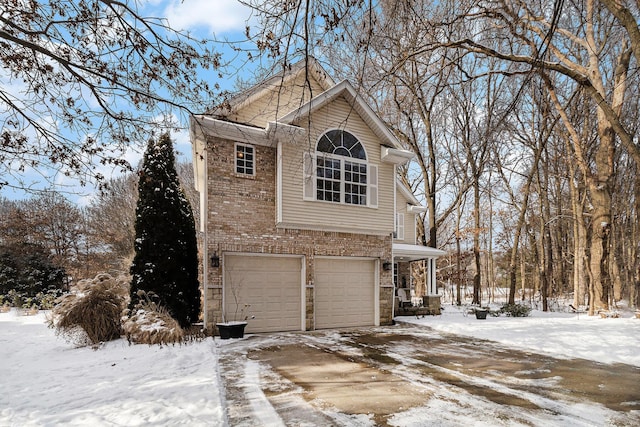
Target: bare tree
{"points": [[49, 221], [580, 52], [112, 214], [581, 58], [112, 218], [83, 81]]}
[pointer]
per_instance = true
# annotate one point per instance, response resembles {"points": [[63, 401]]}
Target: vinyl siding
{"points": [[277, 102], [409, 221], [300, 213]]}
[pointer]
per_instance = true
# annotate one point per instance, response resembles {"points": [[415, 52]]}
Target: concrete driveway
{"points": [[409, 375]]}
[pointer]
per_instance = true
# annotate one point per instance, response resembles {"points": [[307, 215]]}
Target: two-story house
{"points": [[300, 205]]}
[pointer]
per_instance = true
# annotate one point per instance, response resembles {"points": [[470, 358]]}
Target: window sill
{"points": [[245, 176], [325, 202]]}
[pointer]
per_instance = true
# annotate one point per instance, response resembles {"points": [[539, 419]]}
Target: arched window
{"points": [[341, 169], [341, 143]]}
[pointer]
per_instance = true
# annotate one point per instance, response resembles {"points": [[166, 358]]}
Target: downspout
{"points": [[393, 260], [393, 268], [204, 220]]}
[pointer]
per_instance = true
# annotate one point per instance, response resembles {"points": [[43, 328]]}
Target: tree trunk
{"points": [[476, 244], [523, 279], [458, 260], [599, 250], [543, 262], [513, 258], [580, 253], [634, 294], [616, 280], [537, 276], [600, 191], [490, 262]]}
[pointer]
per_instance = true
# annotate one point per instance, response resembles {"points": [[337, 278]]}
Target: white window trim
{"points": [[343, 181], [396, 278], [235, 159], [310, 179]]}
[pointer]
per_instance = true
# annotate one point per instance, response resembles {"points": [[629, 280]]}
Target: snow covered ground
{"points": [[46, 381], [555, 334]]}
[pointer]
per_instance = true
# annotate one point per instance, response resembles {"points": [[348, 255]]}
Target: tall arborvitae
{"points": [[166, 254]]}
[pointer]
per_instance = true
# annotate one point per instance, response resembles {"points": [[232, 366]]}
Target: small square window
{"points": [[245, 155]]}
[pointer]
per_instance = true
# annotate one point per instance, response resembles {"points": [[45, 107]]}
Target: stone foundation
{"points": [[432, 303]]}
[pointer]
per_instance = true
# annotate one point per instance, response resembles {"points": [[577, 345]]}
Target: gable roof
{"points": [[407, 193], [220, 118], [413, 204], [348, 92], [248, 96]]}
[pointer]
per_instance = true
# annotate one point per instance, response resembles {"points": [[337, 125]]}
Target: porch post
{"points": [[433, 288]]}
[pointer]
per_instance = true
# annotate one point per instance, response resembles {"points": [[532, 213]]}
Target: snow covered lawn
{"points": [[46, 381], [551, 333]]}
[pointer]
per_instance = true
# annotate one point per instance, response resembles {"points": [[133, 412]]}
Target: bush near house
{"points": [[515, 310], [92, 312], [28, 278], [151, 323], [166, 253]]}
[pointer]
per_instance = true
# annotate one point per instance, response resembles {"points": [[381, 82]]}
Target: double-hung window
{"points": [[342, 174], [245, 159]]}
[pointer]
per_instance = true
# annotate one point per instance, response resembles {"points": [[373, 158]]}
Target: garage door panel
{"points": [[345, 292], [271, 285]]}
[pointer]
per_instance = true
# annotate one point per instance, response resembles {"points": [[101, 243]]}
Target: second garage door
{"points": [[271, 285], [344, 292]]}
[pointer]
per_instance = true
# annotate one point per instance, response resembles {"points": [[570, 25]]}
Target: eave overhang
{"points": [[405, 252], [203, 126], [416, 209], [395, 155]]}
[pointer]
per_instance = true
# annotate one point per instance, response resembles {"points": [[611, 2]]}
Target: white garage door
{"points": [[345, 292], [272, 287]]}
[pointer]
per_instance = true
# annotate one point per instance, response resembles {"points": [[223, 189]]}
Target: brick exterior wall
{"points": [[241, 216]]}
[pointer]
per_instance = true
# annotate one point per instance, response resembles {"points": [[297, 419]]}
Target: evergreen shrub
{"points": [[515, 310], [27, 276], [166, 254]]}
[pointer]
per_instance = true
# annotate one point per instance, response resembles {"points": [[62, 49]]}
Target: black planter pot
{"points": [[481, 314], [231, 330]]}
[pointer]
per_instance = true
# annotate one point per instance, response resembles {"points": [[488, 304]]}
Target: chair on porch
{"points": [[404, 297]]}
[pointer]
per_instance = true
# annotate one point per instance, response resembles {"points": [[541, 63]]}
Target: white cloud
{"points": [[219, 16]]}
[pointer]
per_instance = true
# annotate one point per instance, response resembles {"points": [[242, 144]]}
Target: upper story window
{"points": [[245, 159], [342, 174]]}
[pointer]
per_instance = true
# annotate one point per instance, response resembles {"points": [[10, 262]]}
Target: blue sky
{"points": [[220, 19]]}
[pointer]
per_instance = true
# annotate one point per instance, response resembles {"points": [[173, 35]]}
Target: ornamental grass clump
{"points": [[90, 314], [151, 323]]}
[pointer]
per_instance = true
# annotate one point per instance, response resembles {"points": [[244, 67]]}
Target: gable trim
{"points": [[407, 193], [348, 92], [248, 96]]}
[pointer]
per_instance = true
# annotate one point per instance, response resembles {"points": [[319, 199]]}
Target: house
{"points": [[299, 207]]}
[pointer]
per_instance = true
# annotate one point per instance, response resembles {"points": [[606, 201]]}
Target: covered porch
{"points": [[416, 292]]}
